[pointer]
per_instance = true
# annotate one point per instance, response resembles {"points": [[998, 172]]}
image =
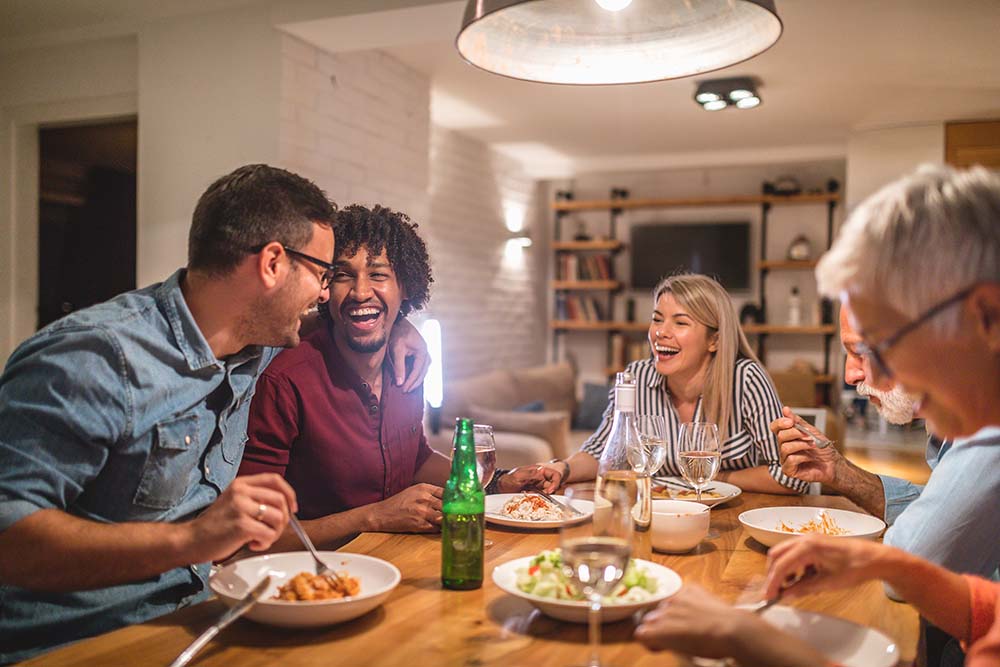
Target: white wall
{"points": [[208, 103], [358, 124], [90, 81], [876, 157], [784, 223]]}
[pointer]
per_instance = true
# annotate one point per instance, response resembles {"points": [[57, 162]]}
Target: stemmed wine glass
{"points": [[699, 452], [595, 553], [653, 441], [486, 458]]}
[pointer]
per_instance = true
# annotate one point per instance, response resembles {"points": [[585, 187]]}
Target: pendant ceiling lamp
{"points": [[600, 42]]}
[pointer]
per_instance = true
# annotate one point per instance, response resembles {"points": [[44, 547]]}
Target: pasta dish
{"points": [[311, 587], [528, 507], [822, 524]]}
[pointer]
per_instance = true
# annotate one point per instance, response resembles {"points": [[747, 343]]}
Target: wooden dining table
{"points": [[421, 623]]}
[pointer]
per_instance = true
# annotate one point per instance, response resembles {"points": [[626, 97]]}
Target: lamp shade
{"points": [[580, 42]]}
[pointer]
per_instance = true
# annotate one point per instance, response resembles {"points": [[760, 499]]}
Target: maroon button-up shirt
{"points": [[315, 422]]}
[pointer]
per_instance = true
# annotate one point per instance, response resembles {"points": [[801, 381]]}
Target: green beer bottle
{"points": [[462, 506]]}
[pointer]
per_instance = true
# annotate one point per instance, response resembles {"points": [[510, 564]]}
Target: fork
{"points": [[321, 567], [563, 506], [820, 441]]}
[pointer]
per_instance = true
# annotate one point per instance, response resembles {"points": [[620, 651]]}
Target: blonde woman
{"points": [[701, 368]]}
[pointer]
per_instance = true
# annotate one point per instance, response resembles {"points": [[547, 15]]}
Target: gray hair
{"points": [[918, 241]]}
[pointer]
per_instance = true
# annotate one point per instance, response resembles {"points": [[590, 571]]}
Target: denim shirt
{"points": [[119, 412]]}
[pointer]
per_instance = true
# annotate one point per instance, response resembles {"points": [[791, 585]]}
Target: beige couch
{"points": [[521, 437]]}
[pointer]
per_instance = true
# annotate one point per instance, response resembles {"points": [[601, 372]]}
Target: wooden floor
{"points": [[907, 465], [897, 453]]}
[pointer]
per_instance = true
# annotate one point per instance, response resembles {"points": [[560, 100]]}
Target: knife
{"points": [[241, 607]]}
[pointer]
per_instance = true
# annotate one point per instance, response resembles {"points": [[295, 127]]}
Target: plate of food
{"points": [[672, 488], [771, 525], [297, 598], [530, 510], [842, 642], [542, 581]]}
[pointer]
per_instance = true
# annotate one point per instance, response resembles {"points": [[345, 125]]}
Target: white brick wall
{"points": [[358, 125], [491, 304]]}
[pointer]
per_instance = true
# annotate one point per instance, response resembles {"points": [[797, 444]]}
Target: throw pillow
{"points": [[553, 427], [534, 406], [595, 401]]}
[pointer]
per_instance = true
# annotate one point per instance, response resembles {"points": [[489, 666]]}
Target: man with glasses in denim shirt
{"points": [[122, 425]]}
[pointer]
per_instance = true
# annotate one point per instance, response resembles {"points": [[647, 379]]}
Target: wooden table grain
{"points": [[421, 623]]}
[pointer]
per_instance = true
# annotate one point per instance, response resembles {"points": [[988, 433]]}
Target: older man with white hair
{"points": [[918, 264]]}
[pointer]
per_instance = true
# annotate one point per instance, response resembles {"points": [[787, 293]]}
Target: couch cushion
{"points": [[553, 427], [591, 411], [554, 385], [495, 390]]}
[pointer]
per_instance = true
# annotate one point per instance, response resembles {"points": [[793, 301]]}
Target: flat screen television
{"points": [[720, 250]]}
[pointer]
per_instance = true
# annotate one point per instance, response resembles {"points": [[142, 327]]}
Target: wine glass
{"points": [[486, 458], [699, 452], [653, 442], [595, 553]]}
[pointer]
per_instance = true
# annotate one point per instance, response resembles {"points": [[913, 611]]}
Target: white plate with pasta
{"points": [[771, 525], [529, 510]]}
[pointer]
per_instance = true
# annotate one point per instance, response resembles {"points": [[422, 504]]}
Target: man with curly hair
{"points": [[327, 415]]}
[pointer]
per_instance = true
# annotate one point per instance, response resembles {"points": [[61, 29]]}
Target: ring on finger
{"points": [[261, 510]]}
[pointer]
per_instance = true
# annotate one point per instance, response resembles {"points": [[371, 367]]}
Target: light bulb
{"points": [[748, 102], [739, 94], [715, 105], [701, 98], [613, 5]]}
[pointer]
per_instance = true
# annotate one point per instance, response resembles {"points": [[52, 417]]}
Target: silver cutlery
{"points": [[567, 509], [321, 567], [820, 441], [240, 608]]}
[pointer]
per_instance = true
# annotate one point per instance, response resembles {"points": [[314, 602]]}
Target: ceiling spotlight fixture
{"points": [[717, 94], [599, 42]]}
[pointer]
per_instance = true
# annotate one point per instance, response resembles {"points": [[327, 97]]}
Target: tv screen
{"points": [[720, 250]]}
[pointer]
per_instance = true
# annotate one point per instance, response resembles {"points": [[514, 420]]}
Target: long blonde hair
{"points": [[707, 302]]}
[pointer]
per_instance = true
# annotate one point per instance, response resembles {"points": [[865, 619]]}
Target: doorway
{"points": [[86, 215]]}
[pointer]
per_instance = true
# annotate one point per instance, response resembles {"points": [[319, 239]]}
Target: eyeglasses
{"points": [[876, 353], [325, 278]]}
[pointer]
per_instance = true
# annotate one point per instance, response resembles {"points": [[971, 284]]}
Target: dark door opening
{"points": [[86, 215]]}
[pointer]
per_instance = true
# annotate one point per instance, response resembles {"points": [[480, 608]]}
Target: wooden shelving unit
{"points": [[620, 202], [784, 329], [785, 265], [586, 284]]}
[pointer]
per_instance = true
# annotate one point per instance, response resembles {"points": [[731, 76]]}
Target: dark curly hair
{"points": [[379, 229]]}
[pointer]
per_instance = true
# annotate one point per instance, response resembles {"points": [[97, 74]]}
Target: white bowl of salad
{"points": [[541, 581]]}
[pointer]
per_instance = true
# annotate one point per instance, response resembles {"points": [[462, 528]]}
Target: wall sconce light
{"points": [[598, 42], [717, 94]]}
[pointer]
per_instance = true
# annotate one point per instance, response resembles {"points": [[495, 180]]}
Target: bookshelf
{"points": [[593, 291]]}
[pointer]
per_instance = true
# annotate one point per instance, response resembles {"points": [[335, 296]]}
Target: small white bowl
{"points": [[762, 523], [678, 525], [377, 578]]}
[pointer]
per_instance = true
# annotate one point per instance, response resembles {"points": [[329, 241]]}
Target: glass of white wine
{"points": [[486, 458], [595, 553], [699, 453]]}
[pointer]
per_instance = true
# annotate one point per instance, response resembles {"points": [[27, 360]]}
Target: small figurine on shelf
{"points": [[581, 232], [800, 249], [794, 308], [750, 314]]}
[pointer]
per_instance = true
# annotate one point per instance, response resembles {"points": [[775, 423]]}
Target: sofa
{"points": [[531, 410]]}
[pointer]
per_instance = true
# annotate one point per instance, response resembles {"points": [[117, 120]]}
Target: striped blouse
{"points": [[750, 441]]}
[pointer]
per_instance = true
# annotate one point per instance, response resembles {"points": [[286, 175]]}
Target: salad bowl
{"points": [[616, 607]]}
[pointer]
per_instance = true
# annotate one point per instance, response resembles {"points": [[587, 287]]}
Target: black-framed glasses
{"points": [[325, 278], [876, 353]]}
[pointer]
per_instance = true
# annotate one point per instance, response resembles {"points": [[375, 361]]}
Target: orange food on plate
{"points": [[676, 494], [308, 587], [822, 524]]}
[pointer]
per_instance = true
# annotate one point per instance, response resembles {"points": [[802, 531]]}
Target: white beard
{"points": [[897, 405]]}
